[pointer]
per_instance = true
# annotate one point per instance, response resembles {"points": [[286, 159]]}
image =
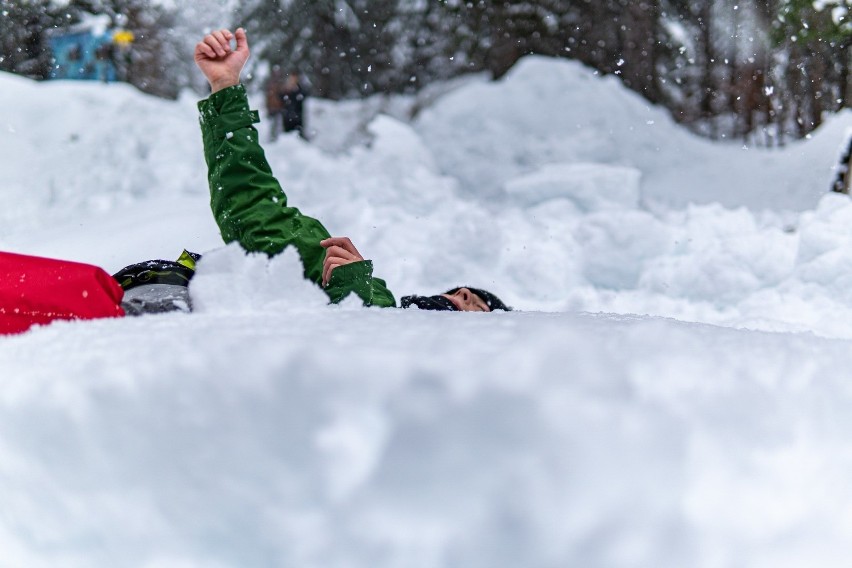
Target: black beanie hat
{"points": [[492, 301], [433, 303]]}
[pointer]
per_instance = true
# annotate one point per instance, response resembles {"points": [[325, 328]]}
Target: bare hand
{"points": [[219, 63], [338, 251]]}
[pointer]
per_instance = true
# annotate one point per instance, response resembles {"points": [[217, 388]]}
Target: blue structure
{"points": [[85, 55]]}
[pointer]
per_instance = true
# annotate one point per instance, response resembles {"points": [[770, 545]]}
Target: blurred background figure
{"points": [[293, 101], [274, 90]]}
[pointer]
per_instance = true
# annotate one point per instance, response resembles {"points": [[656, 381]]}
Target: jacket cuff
{"points": [[352, 277], [226, 111]]}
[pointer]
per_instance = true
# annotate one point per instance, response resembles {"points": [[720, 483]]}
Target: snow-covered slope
{"points": [[547, 112], [589, 428]]}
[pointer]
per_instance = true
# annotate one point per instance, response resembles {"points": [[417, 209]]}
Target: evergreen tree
{"points": [[755, 69], [815, 38], [24, 25], [344, 47]]}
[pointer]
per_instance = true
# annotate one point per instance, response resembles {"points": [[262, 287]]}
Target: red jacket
{"points": [[36, 290]]}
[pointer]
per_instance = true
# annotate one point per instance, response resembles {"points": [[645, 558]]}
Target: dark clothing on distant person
{"points": [[293, 100], [273, 89]]}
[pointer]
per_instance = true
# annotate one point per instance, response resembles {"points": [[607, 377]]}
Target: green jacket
{"points": [[251, 208]]}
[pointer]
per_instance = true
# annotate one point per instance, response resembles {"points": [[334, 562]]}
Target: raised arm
{"points": [[248, 203]]}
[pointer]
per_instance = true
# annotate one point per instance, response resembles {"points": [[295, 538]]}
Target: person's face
{"points": [[467, 301]]}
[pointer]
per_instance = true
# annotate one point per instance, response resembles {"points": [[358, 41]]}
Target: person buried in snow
{"points": [[250, 206]]}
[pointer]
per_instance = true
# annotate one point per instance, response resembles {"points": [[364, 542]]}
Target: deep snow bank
{"points": [[333, 437]]}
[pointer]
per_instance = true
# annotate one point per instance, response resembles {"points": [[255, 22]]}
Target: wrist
{"points": [[216, 86]]}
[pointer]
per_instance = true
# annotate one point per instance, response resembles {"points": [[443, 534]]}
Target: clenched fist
{"points": [[220, 63]]}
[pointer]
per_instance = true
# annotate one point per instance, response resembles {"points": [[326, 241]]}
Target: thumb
{"points": [[242, 40]]}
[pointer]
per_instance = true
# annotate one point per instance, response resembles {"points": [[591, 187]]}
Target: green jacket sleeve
{"points": [[251, 208]]}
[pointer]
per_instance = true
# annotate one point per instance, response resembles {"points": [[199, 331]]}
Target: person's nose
{"points": [[465, 295]]}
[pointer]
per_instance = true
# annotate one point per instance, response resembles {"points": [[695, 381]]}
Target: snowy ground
{"points": [[673, 390]]}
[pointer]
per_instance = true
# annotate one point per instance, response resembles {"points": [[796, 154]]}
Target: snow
{"points": [[672, 391]]}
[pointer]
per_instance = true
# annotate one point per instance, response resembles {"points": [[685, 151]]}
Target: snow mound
{"points": [[555, 111], [591, 187], [228, 280]]}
